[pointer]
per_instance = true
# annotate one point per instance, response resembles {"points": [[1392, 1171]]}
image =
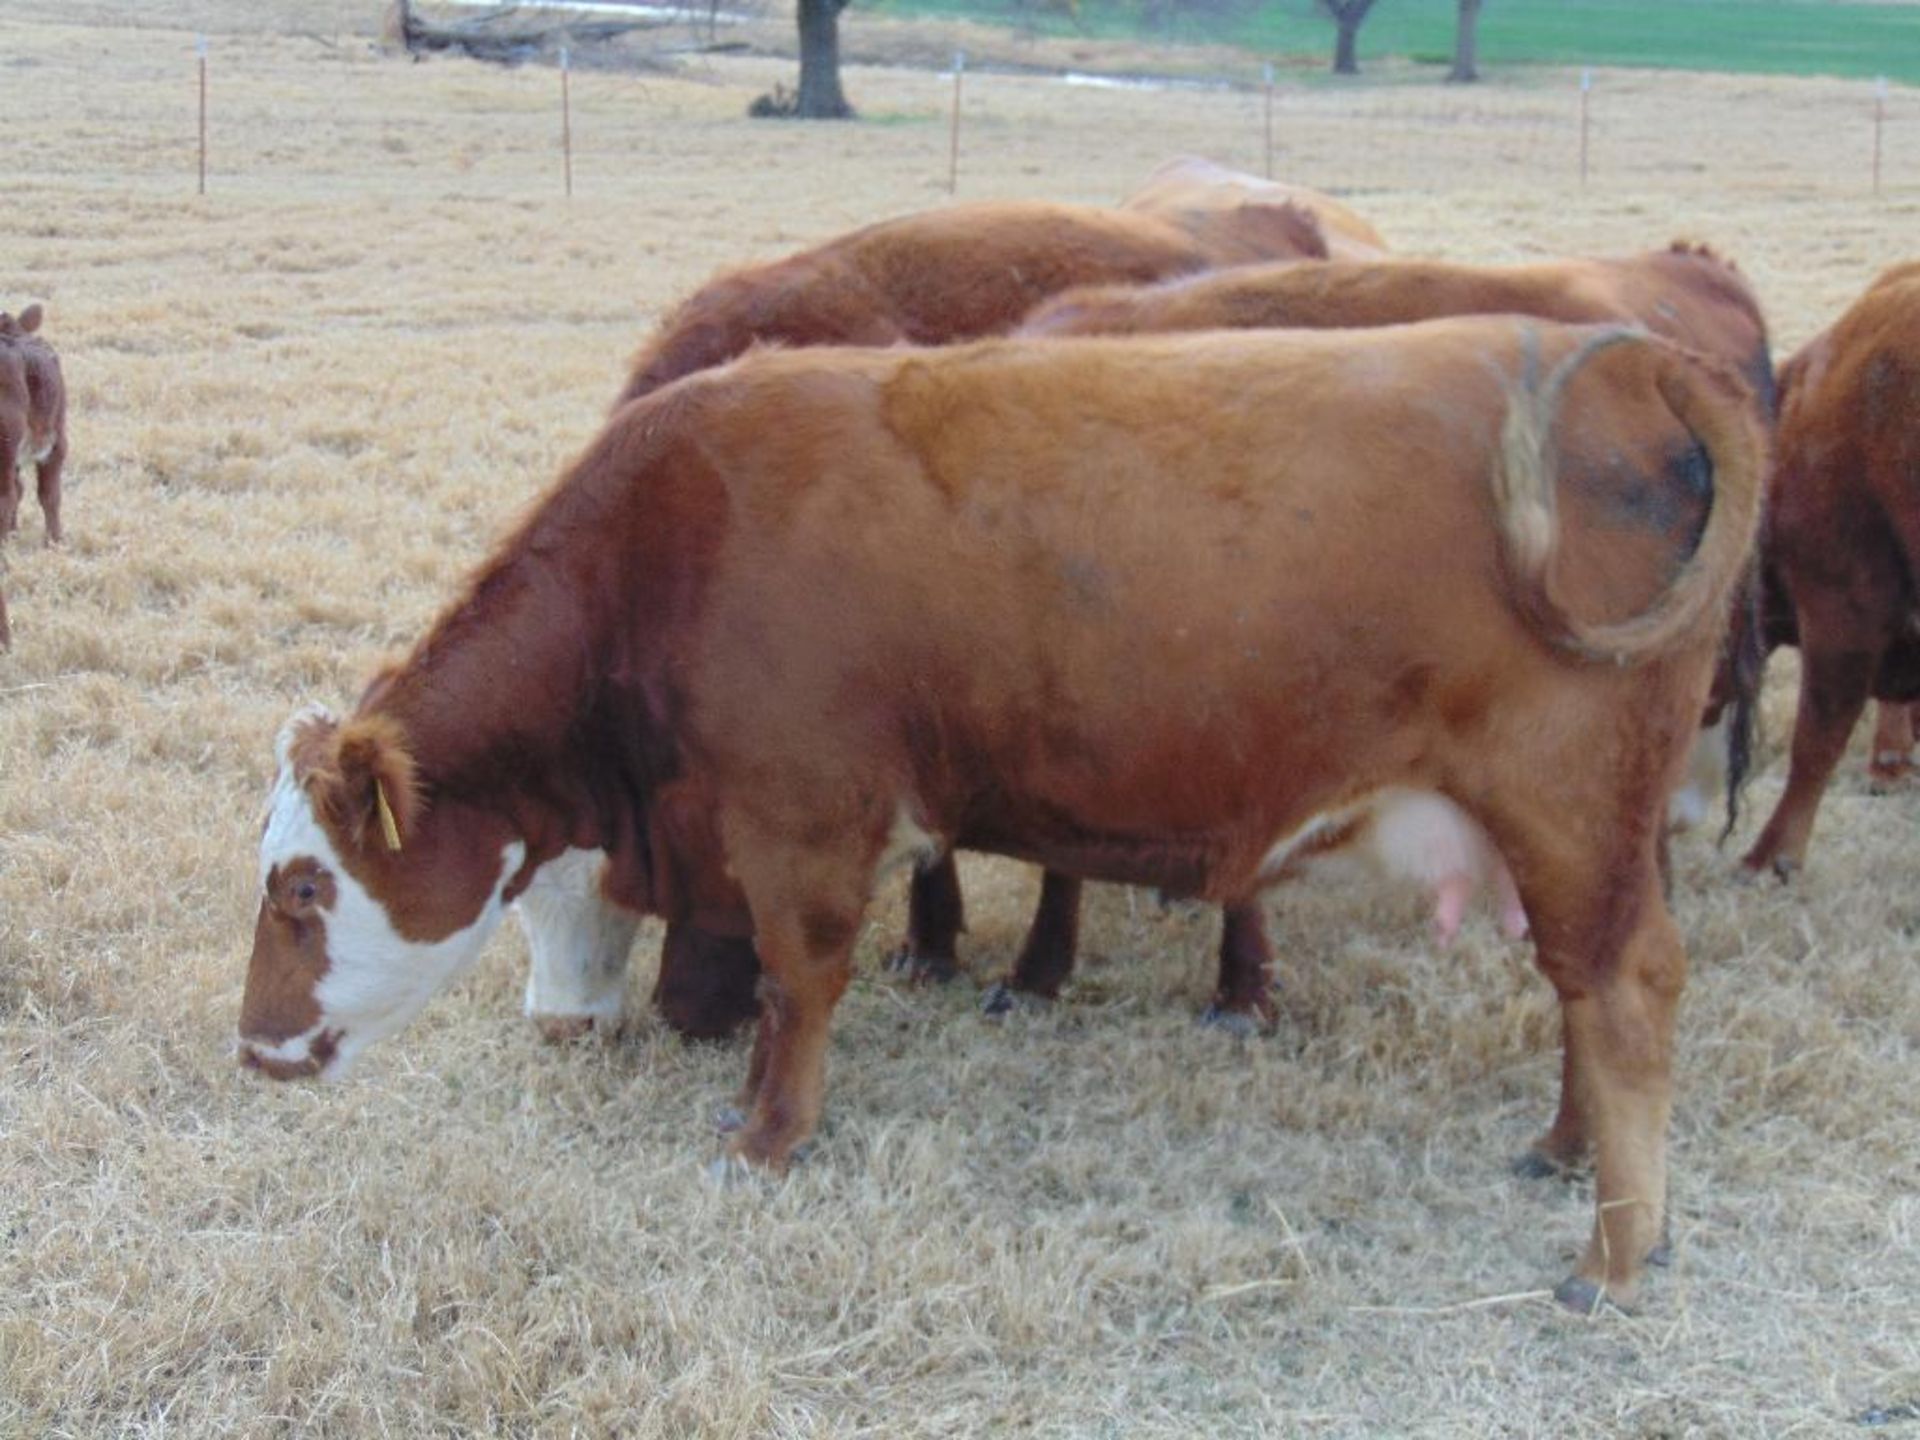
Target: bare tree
{"points": [[1347, 16], [820, 95], [1466, 43]]}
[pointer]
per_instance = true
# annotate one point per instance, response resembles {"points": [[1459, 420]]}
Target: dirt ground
{"points": [[303, 405]]}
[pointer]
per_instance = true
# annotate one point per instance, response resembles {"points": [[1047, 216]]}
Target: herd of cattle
{"points": [[1229, 544]]}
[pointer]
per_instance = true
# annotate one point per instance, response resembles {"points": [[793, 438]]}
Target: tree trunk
{"points": [[1347, 18], [1466, 44], [820, 94]]}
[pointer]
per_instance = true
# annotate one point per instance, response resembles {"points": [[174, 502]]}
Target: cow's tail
{"points": [[1711, 401]]}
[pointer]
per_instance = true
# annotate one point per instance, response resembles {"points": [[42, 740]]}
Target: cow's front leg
{"points": [[577, 981], [807, 903], [47, 477], [1243, 1001], [936, 914]]}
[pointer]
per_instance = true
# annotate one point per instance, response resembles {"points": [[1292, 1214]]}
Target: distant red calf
{"points": [[33, 426], [1842, 543]]}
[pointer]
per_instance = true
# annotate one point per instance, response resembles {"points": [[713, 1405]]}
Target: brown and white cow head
{"points": [[371, 899]]}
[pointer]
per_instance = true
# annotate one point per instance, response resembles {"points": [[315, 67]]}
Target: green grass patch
{"points": [[1773, 37]]}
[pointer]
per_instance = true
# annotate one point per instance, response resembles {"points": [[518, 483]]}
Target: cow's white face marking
{"points": [[376, 979], [579, 943]]}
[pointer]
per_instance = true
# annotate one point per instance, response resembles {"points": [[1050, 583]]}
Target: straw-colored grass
{"points": [[301, 409]]}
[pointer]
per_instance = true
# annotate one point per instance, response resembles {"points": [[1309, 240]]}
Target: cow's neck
{"points": [[507, 702]]}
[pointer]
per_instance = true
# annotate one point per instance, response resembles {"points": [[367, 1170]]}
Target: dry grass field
{"points": [[302, 407]]}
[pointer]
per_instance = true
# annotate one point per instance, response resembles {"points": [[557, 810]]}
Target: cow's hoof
{"points": [[1237, 1023], [1538, 1163], [565, 1029], [1888, 773], [1589, 1300], [1000, 998], [728, 1118], [1661, 1254], [1583, 1296], [909, 964]]}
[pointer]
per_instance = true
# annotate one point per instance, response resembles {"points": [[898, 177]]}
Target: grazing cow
{"points": [[33, 427], [1842, 544], [1191, 184], [927, 279], [1685, 293], [1208, 628], [960, 273]]}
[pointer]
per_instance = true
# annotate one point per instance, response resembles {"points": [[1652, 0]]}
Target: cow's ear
{"points": [[30, 319], [367, 788]]}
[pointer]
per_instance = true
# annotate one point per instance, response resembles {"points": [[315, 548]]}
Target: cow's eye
{"points": [[305, 891]]}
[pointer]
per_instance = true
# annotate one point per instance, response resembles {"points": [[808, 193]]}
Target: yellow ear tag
{"points": [[388, 829]]}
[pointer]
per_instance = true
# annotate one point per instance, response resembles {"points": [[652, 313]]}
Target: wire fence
{"points": [[364, 121]]}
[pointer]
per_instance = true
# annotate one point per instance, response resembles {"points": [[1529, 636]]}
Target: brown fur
{"points": [[745, 588], [1842, 546], [1190, 185], [1686, 294], [952, 274], [33, 418], [933, 279]]}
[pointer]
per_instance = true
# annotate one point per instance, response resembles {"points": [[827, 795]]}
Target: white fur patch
{"points": [[1282, 852], [579, 943], [907, 843], [376, 979], [1706, 778]]}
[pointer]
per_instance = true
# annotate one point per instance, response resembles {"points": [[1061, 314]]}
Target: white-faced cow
{"points": [[1207, 626]]}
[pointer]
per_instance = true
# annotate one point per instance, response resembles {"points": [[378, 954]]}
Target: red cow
{"points": [[1842, 544], [33, 427], [1207, 626], [1191, 184]]}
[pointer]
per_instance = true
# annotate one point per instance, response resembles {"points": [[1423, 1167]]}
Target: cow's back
{"points": [[948, 275], [1191, 184]]}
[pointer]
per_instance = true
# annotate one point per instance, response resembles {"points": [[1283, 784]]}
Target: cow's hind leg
{"points": [[1833, 692], [1609, 945]]}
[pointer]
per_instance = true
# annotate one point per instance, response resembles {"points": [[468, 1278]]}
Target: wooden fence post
{"points": [[953, 134]]}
